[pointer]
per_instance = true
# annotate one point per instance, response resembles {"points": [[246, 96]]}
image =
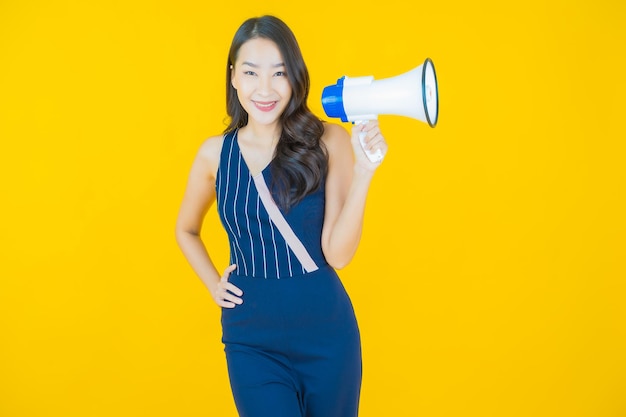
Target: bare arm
{"points": [[198, 198], [349, 177]]}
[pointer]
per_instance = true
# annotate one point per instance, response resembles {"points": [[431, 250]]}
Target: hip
{"points": [[311, 306]]}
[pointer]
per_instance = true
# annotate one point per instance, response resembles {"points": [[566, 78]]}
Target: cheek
{"points": [[246, 85], [240, 82], [284, 88], [241, 90]]}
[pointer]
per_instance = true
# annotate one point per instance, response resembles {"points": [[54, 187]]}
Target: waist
{"points": [[296, 273], [270, 261]]}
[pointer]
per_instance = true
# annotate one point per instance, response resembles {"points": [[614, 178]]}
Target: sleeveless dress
{"points": [[293, 347]]}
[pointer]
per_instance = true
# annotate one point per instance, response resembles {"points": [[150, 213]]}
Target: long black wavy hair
{"points": [[300, 160]]}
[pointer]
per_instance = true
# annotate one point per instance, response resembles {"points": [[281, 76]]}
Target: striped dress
{"points": [[293, 347], [256, 246]]}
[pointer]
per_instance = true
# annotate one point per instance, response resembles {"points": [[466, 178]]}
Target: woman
{"points": [[291, 194]]}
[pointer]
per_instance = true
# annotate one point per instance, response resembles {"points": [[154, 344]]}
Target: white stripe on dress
{"points": [[230, 227], [277, 217], [258, 216], [275, 250], [249, 232]]}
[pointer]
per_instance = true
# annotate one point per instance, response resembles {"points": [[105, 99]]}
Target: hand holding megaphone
{"points": [[360, 99], [369, 141]]}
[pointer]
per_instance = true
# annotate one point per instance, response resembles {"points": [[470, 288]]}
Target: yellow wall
{"points": [[490, 281]]}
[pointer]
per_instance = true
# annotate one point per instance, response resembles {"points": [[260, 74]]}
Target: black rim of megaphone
{"points": [[426, 62]]}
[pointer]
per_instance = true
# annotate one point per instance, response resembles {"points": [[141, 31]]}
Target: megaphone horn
{"points": [[413, 94]]}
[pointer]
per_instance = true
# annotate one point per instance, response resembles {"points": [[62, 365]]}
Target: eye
{"points": [[249, 73], [280, 74]]}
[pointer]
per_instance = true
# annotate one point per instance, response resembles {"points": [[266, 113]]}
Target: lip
{"points": [[265, 106]]}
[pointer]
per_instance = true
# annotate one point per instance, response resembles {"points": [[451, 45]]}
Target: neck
{"points": [[262, 134]]}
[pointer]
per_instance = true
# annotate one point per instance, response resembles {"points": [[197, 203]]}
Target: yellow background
{"points": [[490, 279]]}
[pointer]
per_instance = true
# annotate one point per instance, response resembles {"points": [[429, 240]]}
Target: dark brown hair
{"points": [[300, 161]]}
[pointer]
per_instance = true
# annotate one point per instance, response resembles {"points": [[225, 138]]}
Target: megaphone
{"points": [[359, 99]]}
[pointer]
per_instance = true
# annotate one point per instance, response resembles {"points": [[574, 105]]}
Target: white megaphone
{"points": [[360, 99]]}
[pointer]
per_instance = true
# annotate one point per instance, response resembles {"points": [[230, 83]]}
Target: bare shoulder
{"points": [[211, 147], [340, 156], [336, 138], [209, 153]]}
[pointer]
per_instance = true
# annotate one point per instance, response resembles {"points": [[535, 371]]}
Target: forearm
{"points": [[196, 254], [343, 241]]}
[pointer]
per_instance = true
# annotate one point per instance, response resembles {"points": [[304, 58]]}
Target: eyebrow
{"points": [[250, 64]]}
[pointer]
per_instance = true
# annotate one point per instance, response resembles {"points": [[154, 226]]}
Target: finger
{"points": [[357, 131], [226, 299], [228, 271], [231, 299], [364, 127], [370, 126], [372, 134], [226, 304], [377, 141], [379, 148], [227, 286]]}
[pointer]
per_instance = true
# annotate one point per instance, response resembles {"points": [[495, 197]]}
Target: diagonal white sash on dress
{"points": [[283, 227]]}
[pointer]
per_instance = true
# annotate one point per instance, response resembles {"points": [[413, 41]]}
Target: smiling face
{"points": [[260, 78]]}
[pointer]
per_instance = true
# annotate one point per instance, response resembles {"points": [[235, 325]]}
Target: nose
{"points": [[264, 86]]}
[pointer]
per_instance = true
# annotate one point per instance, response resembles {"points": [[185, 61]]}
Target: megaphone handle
{"points": [[375, 156]]}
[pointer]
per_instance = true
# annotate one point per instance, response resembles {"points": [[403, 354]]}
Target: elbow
{"points": [[178, 236], [338, 262], [338, 265], [178, 232], [338, 258], [181, 234]]}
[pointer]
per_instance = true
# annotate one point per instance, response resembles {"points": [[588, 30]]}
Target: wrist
{"points": [[211, 285], [362, 173]]}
